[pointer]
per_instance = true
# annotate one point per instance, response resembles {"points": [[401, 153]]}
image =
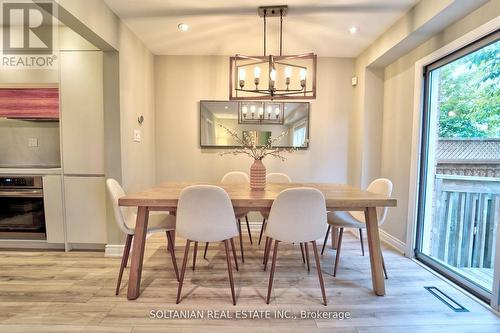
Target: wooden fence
{"points": [[465, 219]]}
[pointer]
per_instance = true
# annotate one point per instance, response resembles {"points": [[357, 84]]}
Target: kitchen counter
{"points": [[30, 171]]}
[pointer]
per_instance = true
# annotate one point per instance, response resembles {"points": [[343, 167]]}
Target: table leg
{"points": [[335, 237], [134, 280], [375, 252]]}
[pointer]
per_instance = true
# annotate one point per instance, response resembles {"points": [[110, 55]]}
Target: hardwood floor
{"points": [[49, 291]]}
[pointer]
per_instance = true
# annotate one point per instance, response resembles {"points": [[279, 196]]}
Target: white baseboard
{"points": [[29, 244], [116, 250], [392, 241], [112, 250], [386, 238]]}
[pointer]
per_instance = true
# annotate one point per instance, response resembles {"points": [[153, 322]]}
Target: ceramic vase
{"points": [[257, 176]]}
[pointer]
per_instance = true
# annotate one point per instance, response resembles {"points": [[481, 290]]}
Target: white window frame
{"points": [[418, 105], [300, 125]]}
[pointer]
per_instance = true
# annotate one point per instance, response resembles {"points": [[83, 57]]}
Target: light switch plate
{"points": [[32, 142], [137, 135]]}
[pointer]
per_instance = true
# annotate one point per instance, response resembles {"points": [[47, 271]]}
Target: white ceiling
{"points": [[226, 27]]}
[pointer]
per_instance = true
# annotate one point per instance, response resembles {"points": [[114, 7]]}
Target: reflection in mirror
{"points": [[263, 119]]}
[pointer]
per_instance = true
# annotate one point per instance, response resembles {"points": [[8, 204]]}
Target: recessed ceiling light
{"points": [[353, 30], [184, 27]]}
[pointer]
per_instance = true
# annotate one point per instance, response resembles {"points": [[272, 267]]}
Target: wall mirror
{"points": [[264, 119]]}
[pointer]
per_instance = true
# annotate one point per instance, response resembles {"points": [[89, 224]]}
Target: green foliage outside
{"points": [[469, 95]]}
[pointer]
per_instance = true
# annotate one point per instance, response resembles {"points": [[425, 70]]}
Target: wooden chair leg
{"points": [[337, 255], [234, 255], [126, 252], [230, 270], [306, 248], [241, 242], [171, 248], [262, 230], [265, 251], [248, 228], [269, 242], [302, 252], [273, 268], [320, 275], [361, 240], [183, 271], [326, 239], [205, 252], [383, 265], [194, 254]]}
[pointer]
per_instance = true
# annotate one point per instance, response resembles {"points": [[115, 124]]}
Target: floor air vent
{"points": [[454, 305]]}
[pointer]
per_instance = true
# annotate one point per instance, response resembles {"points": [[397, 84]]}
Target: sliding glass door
{"points": [[459, 195]]}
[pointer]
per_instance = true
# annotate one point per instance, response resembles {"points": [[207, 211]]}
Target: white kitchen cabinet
{"points": [[53, 207], [85, 201], [82, 115]]}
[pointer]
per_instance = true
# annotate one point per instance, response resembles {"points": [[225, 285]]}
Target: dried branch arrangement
{"points": [[249, 146]]}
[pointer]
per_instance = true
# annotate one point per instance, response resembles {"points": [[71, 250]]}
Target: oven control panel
{"points": [[20, 182]]}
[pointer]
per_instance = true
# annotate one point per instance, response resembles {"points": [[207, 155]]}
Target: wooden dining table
{"points": [[339, 197]]}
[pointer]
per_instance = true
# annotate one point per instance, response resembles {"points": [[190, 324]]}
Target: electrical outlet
{"points": [[137, 135], [32, 142]]}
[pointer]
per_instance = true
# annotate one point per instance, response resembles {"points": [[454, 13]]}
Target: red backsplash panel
{"points": [[33, 103]]}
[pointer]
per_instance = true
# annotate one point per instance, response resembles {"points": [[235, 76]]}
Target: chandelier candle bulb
{"points": [[242, 74], [256, 72], [303, 74], [252, 109], [277, 112], [272, 77], [288, 75], [256, 76], [244, 110], [261, 112]]}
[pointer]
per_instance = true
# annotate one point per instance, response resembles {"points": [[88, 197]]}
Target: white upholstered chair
{"points": [[356, 219], [273, 177], [125, 217], [298, 215], [205, 214], [236, 177]]}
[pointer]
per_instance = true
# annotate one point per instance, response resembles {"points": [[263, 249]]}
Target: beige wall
{"points": [[136, 98], [96, 16], [398, 113], [181, 81]]}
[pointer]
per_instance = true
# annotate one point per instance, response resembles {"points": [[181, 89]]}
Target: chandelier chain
{"points": [[281, 32], [265, 31]]}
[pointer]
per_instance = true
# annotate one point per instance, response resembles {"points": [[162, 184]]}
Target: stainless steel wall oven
{"points": [[21, 207]]}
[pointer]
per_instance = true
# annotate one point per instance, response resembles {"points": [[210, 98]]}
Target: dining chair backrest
{"points": [[278, 177], [382, 186], [122, 214], [235, 177], [297, 215], [205, 214]]}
